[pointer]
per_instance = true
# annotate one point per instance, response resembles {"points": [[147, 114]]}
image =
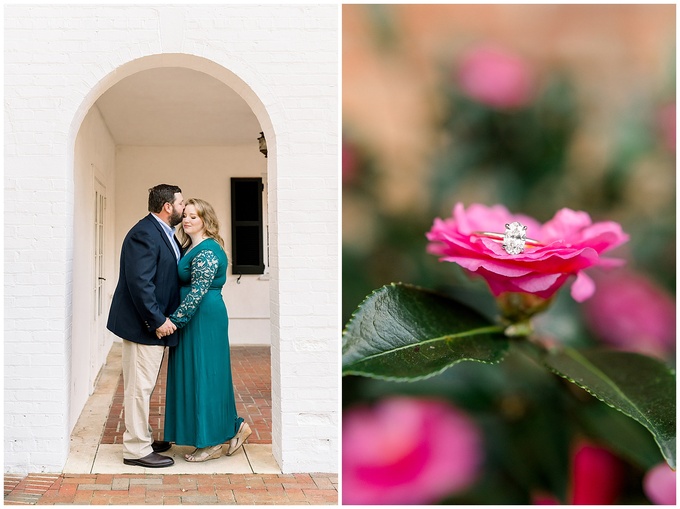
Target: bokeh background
{"points": [[580, 114]]}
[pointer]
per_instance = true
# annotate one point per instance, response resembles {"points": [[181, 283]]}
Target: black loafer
{"points": [[160, 446], [153, 460]]}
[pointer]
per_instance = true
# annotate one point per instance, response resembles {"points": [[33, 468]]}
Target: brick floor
{"points": [[252, 386], [251, 372], [128, 489], [11, 482], [27, 490]]}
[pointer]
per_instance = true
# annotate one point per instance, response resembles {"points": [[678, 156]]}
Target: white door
{"points": [[99, 281]]}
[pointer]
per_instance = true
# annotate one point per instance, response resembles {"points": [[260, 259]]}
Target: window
{"points": [[246, 226]]}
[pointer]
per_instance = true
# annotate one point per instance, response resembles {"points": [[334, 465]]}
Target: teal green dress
{"points": [[200, 407]]}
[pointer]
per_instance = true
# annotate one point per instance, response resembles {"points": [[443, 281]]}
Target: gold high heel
{"points": [[241, 437], [205, 453]]}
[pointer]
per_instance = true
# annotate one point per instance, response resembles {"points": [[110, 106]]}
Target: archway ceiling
{"points": [[176, 106]]}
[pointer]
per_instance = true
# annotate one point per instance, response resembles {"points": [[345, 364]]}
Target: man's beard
{"points": [[175, 218]]}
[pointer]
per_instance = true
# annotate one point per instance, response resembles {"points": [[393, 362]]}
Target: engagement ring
{"points": [[514, 239]]}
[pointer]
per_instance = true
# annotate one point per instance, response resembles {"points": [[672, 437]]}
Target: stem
{"points": [[522, 329]]}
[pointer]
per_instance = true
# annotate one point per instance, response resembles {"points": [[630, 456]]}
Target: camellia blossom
{"points": [[597, 476], [496, 77], [659, 485], [631, 313], [569, 243], [407, 451]]}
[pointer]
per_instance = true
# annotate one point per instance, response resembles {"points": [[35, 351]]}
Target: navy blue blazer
{"points": [[148, 285]]}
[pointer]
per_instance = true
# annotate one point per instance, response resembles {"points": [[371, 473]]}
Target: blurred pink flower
{"points": [[666, 123], [407, 451], [570, 244], [496, 77], [659, 485], [630, 312], [597, 476]]}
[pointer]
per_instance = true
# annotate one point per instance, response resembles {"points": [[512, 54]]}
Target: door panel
{"points": [[99, 281]]}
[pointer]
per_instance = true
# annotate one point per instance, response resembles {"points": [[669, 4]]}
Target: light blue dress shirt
{"points": [[170, 232]]}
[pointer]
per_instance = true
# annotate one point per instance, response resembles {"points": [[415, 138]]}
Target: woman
{"points": [[200, 408]]}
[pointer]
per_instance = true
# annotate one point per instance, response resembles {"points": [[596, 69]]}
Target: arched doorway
{"points": [[171, 118]]}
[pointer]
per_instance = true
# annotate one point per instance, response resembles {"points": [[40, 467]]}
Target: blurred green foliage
{"points": [[526, 159]]}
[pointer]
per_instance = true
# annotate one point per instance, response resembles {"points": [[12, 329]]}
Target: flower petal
{"points": [[571, 243], [583, 288]]}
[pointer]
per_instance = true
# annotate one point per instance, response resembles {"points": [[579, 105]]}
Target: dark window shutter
{"points": [[246, 226]]}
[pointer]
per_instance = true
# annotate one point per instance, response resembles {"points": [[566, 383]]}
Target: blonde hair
{"points": [[207, 214]]}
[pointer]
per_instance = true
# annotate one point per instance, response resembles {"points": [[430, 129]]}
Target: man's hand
{"points": [[166, 329]]}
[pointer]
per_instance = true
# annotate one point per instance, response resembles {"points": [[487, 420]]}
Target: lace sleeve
{"points": [[203, 270]]}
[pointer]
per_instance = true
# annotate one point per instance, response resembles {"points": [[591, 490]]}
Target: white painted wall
{"points": [[95, 157], [201, 172], [283, 61]]}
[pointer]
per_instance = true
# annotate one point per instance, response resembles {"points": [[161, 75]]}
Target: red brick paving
{"points": [[251, 373], [27, 490], [252, 386], [11, 482], [129, 489]]}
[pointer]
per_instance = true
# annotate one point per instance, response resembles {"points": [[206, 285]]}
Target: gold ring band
{"points": [[514, 239], [501, 237]]}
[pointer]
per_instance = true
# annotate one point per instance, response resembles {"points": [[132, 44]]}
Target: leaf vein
{"points": [[473, 332]]}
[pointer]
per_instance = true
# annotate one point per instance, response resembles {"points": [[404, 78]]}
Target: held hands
{"points": [[166, 329]]}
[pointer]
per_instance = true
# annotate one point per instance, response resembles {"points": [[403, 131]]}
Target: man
{"points": [[147, 292]]}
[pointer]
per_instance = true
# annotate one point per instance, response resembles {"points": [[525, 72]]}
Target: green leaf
{"points": [[639, 386], [623, 435], [404, 333]]}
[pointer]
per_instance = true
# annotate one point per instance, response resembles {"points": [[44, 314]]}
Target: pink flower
{"points": [[496, 77], [570, 243], [407, 451], [630, 312], [659, 485], [597, 476]]}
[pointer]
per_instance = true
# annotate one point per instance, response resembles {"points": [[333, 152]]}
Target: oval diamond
{"points": [[515, 238]]}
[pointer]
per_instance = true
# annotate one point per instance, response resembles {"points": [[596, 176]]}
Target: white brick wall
{"points": [[283, 60]]}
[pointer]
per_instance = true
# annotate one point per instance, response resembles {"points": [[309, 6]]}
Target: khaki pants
{"points": [[141, 365]]}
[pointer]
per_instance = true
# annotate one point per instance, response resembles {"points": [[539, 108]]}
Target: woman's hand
{"points": [[166, 329]]}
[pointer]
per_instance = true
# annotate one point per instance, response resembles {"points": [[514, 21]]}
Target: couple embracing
{"points": [[169, 294]]}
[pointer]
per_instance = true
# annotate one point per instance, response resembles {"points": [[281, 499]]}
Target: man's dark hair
{"points": [[160, 195]]}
